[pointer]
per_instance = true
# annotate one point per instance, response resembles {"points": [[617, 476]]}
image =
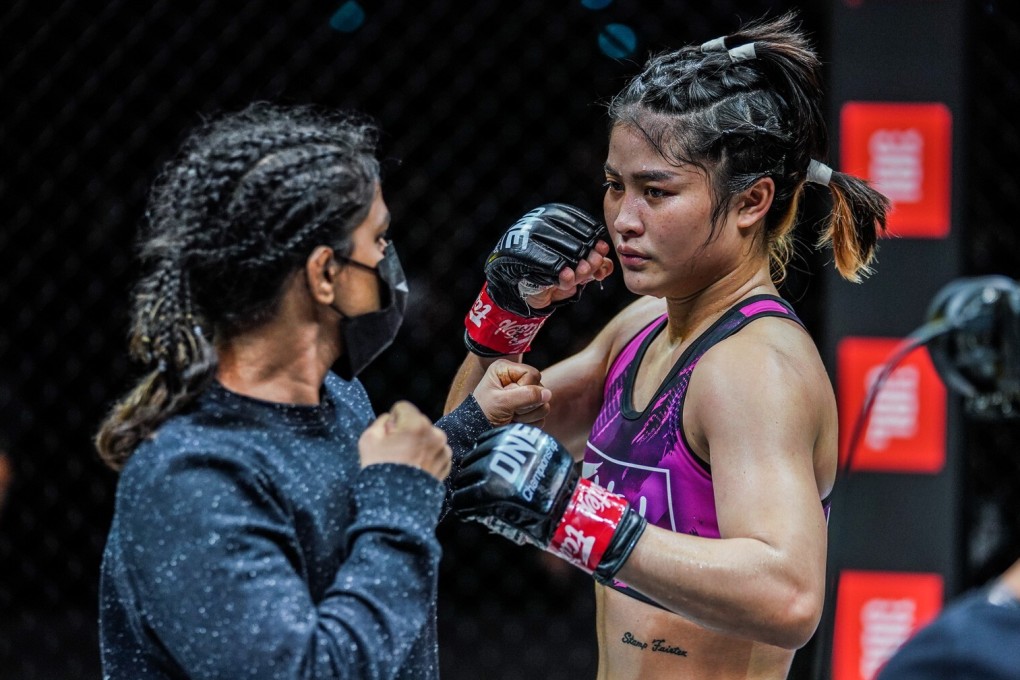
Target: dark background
{"points": [[488, 108]]}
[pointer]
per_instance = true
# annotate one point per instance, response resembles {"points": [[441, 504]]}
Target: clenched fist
{"points": [[406, 436]]}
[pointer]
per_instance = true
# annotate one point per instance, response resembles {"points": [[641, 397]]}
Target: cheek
{"points": [[610, 209]]}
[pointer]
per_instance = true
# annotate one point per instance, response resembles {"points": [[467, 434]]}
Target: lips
{"points": [[630, 256]]}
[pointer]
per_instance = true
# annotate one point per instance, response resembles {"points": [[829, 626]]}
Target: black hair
{"points": [[239, 209], [748, 106]]}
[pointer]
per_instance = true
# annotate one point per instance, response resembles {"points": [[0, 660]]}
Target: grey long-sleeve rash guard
{"points": [[247, 542]]}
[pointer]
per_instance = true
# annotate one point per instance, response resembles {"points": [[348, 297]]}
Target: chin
{"points": [[641, 284]]}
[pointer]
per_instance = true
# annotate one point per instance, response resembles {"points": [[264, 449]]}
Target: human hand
{"points": [[535, 252], [597, 266], [406, 436], [522, 484], [512, 392], [541, 262]]}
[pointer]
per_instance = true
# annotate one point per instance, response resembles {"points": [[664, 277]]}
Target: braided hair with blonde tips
{"points": [[747, 106], [244, 202]]}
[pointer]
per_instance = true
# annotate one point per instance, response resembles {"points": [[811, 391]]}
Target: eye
{"points": [[610, 185], [654, 192]]}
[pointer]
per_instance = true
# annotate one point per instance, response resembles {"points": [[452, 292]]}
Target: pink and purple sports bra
{"points": [[644, 455]]}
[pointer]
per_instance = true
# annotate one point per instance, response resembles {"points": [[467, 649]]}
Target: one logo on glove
{"points": [[516, 237], [518, 445]]}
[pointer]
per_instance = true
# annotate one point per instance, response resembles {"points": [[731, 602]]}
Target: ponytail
{"points": [[168, 339], [857, 216]]}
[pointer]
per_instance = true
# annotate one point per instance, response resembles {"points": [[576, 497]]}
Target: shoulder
{"points": [[772, 351], [180, 446], [769, 371], [594, 361], [966, 635], [596, 358], [199, 449]]}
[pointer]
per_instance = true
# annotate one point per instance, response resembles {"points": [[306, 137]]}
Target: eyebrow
{"points": [[645, 175]]}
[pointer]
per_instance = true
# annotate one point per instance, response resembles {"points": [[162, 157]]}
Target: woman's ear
{"points": [[320, 272], [754, 202]]}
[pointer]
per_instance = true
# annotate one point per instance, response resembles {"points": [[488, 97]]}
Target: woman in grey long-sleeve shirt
{"points": [[267, 525]]}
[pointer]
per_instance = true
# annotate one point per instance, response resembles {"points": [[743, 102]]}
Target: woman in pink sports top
{"points": [[705, 403]]}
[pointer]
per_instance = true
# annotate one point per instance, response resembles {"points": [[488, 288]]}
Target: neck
{"points": [[286, 359], [692, 313], [260, 367]]}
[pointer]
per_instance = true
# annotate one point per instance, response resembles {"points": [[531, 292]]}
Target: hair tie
{"points": [[742, 53], [819, 173], [714, 45]]}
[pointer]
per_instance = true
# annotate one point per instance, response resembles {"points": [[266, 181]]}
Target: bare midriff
{"points": [[638, 641]]}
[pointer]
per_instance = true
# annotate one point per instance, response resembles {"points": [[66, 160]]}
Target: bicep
{"points": [[760, 422]]}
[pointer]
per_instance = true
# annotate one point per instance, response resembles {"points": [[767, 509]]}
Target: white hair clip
{"points": [[714, 45], [819, 173], [742, 53]]}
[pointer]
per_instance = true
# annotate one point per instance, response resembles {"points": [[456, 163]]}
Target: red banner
{"points": [[904, 150], [906, 429], [875, 613]]}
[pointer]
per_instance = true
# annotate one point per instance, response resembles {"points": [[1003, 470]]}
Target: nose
{"points": [[627, 218]]}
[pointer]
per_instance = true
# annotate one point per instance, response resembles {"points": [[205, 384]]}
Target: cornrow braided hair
{"points": [[246, 199], [747, 106]]}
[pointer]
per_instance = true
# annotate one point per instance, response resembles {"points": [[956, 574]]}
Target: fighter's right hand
{"points": [[405, 436], [527, 261]]}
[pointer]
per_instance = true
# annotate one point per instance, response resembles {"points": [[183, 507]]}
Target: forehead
{"points": [[378, 217], [632, 153]]}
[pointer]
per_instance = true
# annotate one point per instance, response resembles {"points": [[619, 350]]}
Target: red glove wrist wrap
{"points": [[494, 328], [587, 526]]}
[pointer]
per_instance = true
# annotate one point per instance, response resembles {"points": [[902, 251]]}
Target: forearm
{"points": [[463, 423], [742, 587], [387, 584]]}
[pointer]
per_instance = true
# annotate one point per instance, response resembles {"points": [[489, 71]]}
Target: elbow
{"points": [[797, 620]]}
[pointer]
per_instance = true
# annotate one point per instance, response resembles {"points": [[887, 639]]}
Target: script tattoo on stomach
{"points": [[660, 645]]}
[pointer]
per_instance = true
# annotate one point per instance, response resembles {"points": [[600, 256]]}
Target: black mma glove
{"points": [[521, 483], [528, 258]]}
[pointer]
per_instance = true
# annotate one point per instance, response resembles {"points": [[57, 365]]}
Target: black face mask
{"points": [[366, 336]]}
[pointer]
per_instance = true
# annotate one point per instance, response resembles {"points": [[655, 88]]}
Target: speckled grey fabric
{"points": [[463, 426], [247, 542]]}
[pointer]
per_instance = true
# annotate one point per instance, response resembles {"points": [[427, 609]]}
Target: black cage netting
{"points": [[488, 109]]}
